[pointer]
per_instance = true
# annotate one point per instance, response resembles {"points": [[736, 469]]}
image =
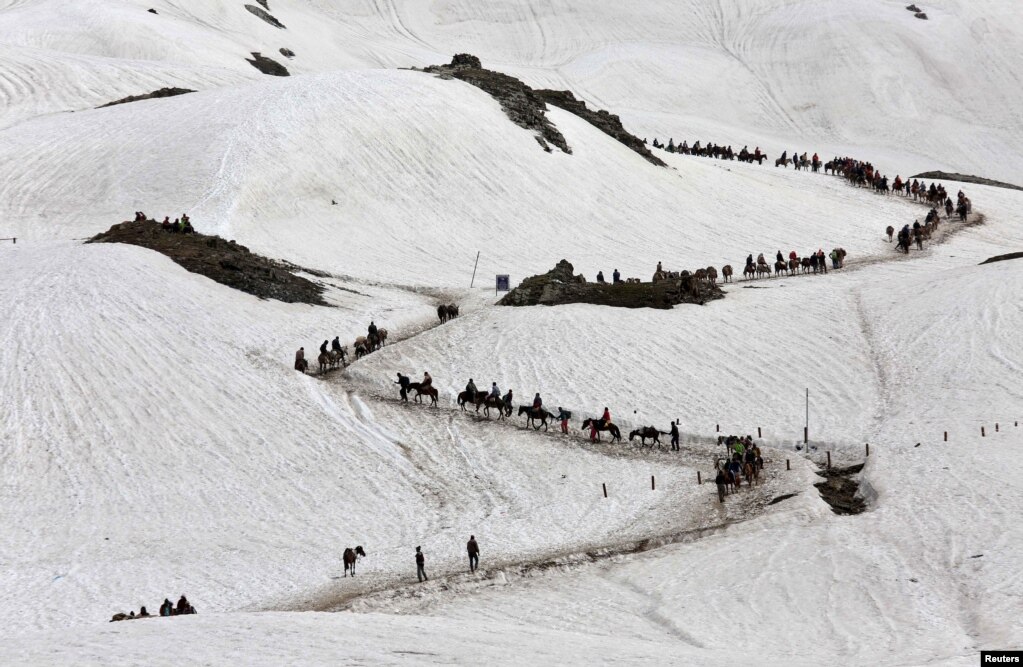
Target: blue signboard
{"points": [[503, 283]]}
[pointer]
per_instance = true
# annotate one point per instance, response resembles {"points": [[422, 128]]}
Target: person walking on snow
{"points": [[674, 436], [474, 553], [300, 359], [421, 565], [403, 382], [563, 418]]}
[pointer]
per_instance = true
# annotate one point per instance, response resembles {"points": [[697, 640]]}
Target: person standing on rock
{"points": [[600, 277], [674, 436], [421, 565], [616, 277], [474, 553]]}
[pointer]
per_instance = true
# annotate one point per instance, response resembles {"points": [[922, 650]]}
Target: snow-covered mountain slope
{"points": [[154, 439], [865, 77], [446, 175]]}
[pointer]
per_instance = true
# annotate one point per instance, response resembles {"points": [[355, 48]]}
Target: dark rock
{"points": [[228, 263], [921, 15], [841, 491], [520, 102], [1002, 258], [267, 65], [163, 92], [559, 286], [466, 60], [287, 53], [938, 175], [151, 11], [604, 121], [266, 5], [913, 8], [266, 16], [777, 500]]}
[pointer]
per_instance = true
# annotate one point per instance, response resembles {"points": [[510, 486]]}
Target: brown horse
{"points": [[712, 274], [536, 418], [749, 272], [793, 266], [763, 268], [890, 231], [487, 402], [467, 397], [421, 391], [779, 267], [350, 556], [599, 425], [726, 271], [647, 432]]}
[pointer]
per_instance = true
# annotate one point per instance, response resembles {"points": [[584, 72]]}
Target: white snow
{"points": [[155, 441]]}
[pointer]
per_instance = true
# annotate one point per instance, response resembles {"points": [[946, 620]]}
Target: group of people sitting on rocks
{"points": [[182, 225], [166, 609], [743, 460]]}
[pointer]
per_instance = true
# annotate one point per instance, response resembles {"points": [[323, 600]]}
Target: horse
{"points": [[600, 425], [780, 266], [647, 432], [806, 264], [726, 271], [442, 313], [302, 365], [701, 274], [749, 471], [763, 268], [361, 347], [783, 162], [421, 391], [749, 272], [890, 231], [452, 311], [540, 415], [467, 397], [793, 266], [487, 402], [350, 556], [324, 360], [712, 275]]}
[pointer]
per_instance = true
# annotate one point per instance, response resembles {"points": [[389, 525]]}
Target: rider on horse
{"points": [[537, 404], [427, 381], [495, 393], [471, 389]]}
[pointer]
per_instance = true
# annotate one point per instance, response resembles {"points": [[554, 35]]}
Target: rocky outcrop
{"points": [[945, 175], [560, 286], [226, 262], [287, 53], [520, 102], [604, 121], [265, 15], [267, 65], [1003, 258], [163, 92]]}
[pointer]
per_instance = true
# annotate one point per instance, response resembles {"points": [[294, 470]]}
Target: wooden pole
{"points": [[982, 432], [474, 269], [759, 434], [806, 428], [653, 487], [717, 429], [996, 427], [806, 435], [868, 449], [605, 489], [946, 436], [787, 466], [699, 480], [829, 460]]}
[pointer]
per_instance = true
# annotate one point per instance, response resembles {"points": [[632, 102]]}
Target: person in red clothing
{"points": [[606, 417]]}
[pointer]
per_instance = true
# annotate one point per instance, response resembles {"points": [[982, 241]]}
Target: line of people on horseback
{"points": [[711, 150], [814, 261], [743, 460], [337, 354]]}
